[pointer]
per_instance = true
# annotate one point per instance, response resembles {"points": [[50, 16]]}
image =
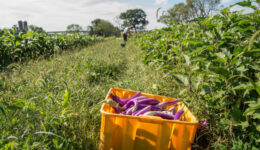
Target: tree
{"points": [[74, 27], [102, 27], [118, 22], [134, 17], [33, 28], [189, 11]]}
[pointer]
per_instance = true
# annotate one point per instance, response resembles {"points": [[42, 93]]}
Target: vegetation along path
{"points": [[55, 103]]}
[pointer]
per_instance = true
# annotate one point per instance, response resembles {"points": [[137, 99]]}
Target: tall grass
{"points": [[54, 104]]}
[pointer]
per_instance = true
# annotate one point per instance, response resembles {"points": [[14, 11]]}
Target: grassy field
{"points": [[53, 104]]}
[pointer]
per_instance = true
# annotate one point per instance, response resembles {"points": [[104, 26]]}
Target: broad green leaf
{"points": [[236, 114], [246, 86], [198, 50], [17, 43], [220, 55], [256, 116], [222, 71], [244, 124], [258, 89], [258, 128]]}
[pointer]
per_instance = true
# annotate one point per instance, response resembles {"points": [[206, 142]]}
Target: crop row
{"points": [[21, 46], [214, 63]]}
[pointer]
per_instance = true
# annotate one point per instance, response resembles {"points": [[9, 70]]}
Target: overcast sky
{"points": [[55, 15]]}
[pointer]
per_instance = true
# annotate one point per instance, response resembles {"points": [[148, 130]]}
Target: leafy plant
{"points": [[214, 63], [20, 47]]}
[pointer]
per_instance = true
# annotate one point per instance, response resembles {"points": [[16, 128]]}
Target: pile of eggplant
{"points": [[140, 105]]}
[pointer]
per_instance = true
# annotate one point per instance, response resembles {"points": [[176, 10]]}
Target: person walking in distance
{"points": [[125, 32]]}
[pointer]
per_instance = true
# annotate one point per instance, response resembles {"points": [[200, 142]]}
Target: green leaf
{"points": [[48, 133], [181, 79], [225, 11], [258, 89], [220, 55], [187, 59], [198, 50], [256, 116], [2, 110], [43, 126], [246, 86], [65, 99], [222, 71], [236, 114], [17, 43], [244, 124], [258, 128], [246, 4]]}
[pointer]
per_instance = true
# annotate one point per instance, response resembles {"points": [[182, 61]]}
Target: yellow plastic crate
{"points": [[124, 132]]}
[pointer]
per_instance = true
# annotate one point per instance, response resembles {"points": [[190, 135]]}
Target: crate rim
{"points": [[142, 117]]}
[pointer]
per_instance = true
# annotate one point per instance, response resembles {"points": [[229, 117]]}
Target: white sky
{"points": [[56, 15]]}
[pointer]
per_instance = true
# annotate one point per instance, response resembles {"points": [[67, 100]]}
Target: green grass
{"points": [[34, 100]]}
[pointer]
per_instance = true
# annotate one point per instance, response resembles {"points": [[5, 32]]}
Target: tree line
{"points": [[101, 27], [181, 12]]}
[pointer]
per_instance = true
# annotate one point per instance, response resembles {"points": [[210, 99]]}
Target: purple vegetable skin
{"points": [[178, 114], [129, 111], [116, 99], [133, 108], [164, 115], [204, 123], [173, 108], [130, 103], [149, 101], [144, 110], [141, 106], [167, 103], [160, 114], [127, 99]]}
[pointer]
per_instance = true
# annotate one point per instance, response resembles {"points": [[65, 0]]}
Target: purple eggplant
{"points": [[127, 99], [163, 115], [116, 99], [173, 108], [141, 106], [130, 103], [178, 114], [167, 103], [144, 110], [131, 110], [149, 101]]}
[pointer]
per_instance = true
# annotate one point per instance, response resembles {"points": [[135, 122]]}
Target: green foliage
{"points": [[74, 27], [104, 28], [33, 28], [53, 104], [214, 63], [190, 10], [100, 71], [19, 47], [134, 17]]}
